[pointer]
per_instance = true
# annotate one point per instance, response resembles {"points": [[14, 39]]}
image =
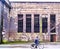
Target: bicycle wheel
{"points": [[32, 46], [41, 46]]}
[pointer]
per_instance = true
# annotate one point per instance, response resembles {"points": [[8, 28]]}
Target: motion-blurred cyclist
{"points": [[36, 42]]}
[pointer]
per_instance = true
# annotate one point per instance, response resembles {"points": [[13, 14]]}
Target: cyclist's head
{"points": [[36, 36]]}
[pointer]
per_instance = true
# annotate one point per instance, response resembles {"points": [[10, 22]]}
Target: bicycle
{"points": [[33, 46]]}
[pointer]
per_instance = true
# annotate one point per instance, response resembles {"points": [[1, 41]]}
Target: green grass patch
{"points": [[4, 41], [21, 42], [17, 42]]}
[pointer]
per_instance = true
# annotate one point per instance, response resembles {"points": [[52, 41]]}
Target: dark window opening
{"points": [[52, 23], [20, 22], [28, 22], [53, 37], [44, 25], [36, 23]]}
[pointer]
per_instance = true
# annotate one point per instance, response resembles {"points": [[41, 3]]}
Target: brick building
{"points": [[30, 19]]}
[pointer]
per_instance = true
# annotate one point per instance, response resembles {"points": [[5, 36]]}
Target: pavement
{"points": [[28, 46]]}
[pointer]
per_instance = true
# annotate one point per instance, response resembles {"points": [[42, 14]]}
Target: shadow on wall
{"points": [[12, 31]]}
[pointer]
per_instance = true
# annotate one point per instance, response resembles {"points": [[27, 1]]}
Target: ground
{"points": [[28, 46]]}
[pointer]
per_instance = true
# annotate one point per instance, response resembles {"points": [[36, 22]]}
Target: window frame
{"points": [[54, 23], [37, 16], [45, 30], [28, 17], [19, 22]]}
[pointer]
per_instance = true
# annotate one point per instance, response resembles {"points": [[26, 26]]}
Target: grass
{"points": [[21, 42], [17, 42]]}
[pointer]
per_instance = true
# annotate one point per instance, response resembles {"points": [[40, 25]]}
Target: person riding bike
{"points": [[36, 42]]}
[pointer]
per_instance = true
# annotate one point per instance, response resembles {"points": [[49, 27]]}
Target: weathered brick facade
{"points": [[44, 9]]}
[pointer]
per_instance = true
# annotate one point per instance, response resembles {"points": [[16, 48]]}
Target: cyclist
{"points": [[36, 42]]}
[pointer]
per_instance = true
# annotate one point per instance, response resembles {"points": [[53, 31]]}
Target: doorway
{"points": [[53, 38]]}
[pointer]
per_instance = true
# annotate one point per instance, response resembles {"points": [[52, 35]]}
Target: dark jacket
{"points": [[36, 41]]}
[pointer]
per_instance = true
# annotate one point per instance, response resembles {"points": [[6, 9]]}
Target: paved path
{"points": [[27, 46]]}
